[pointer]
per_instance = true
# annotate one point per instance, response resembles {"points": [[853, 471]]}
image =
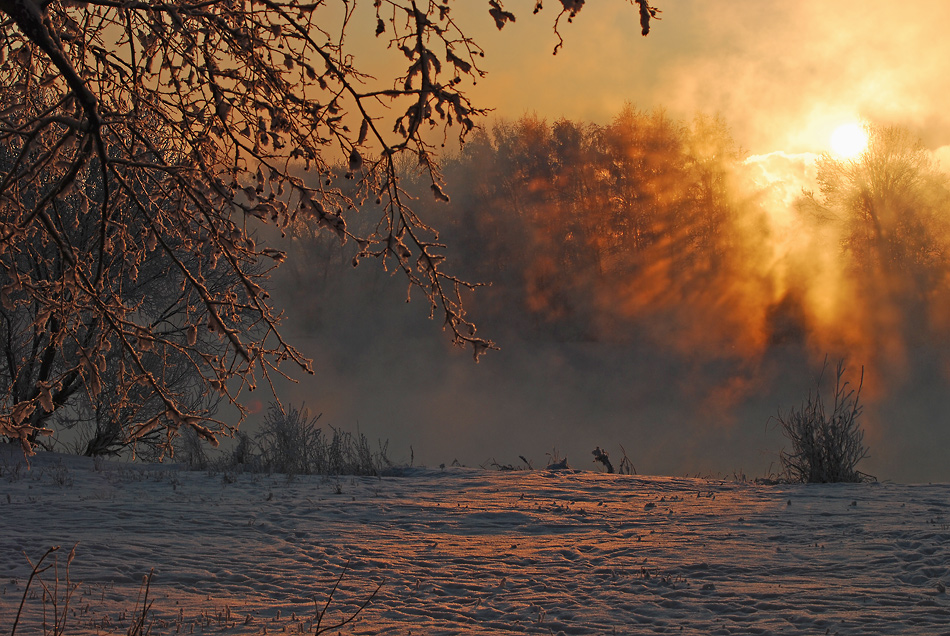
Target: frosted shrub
{"points": [[243, 453], [826, 447], [190, 450], [291, 443], [288, 441], [349, 454]]}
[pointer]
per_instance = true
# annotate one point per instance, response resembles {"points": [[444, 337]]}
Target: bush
{"points": [[290, 442], [190, 450], [826, 447]]}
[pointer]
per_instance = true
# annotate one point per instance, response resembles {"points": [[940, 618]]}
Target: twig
{"points": [[320, 630], [135, 629], [50, 596], [33, 574]]}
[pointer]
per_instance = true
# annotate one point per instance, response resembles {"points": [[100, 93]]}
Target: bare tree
{"points": [[889, 207], [34, 358], [232, 113], [590, 227], [890, 200]]}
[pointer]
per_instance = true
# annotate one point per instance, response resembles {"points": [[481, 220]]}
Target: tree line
{"points": [[654, 229], [595, 232]]}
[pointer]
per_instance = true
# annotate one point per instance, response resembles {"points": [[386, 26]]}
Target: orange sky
{"points": [[783, 74]]}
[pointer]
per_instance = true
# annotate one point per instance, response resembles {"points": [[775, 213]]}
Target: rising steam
{"points": [[691, 289]]}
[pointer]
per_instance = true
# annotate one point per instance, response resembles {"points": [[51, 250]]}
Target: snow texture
{"points": [[476, 552]]}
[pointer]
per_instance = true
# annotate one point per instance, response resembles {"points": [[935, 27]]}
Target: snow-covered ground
{"points": [[474, 551]]}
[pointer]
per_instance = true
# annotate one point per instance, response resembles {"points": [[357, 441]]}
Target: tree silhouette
{"points": [[232, 114], [889, 199], [888, 205], [45, 337]]}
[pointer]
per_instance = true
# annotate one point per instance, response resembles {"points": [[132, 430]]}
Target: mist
{"points": [[653, 290]]}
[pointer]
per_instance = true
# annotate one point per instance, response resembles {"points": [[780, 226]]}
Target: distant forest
{"points": [[653, 230]]}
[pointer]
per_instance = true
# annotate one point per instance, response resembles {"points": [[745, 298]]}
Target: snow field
{"points": [[476, 552]]}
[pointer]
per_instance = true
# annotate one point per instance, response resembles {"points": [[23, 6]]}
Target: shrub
{"points": [[190, 450], [826, 447], [290, 442], [243, 454]]}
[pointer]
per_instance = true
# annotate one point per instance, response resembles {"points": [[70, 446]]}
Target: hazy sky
{"points": [[783, 74]]}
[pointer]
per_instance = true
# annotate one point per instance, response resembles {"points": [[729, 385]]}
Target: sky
{"points": [[783, 75]]}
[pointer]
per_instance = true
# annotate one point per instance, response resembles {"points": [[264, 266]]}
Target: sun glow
{"points": [[849, 140]]}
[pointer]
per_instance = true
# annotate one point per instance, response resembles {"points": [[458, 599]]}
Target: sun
{"points": [[849, 140]]}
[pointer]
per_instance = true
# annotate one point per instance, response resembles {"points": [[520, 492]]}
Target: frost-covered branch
{"points": [[145, 138]]}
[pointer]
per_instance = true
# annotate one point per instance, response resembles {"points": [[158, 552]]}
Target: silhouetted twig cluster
{"points": [[826, 446]]}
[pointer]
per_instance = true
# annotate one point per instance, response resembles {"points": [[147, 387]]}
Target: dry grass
{"points": [[57, 590]]}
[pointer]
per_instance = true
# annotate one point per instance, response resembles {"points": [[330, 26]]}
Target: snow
{"points": [[474, 551]]}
